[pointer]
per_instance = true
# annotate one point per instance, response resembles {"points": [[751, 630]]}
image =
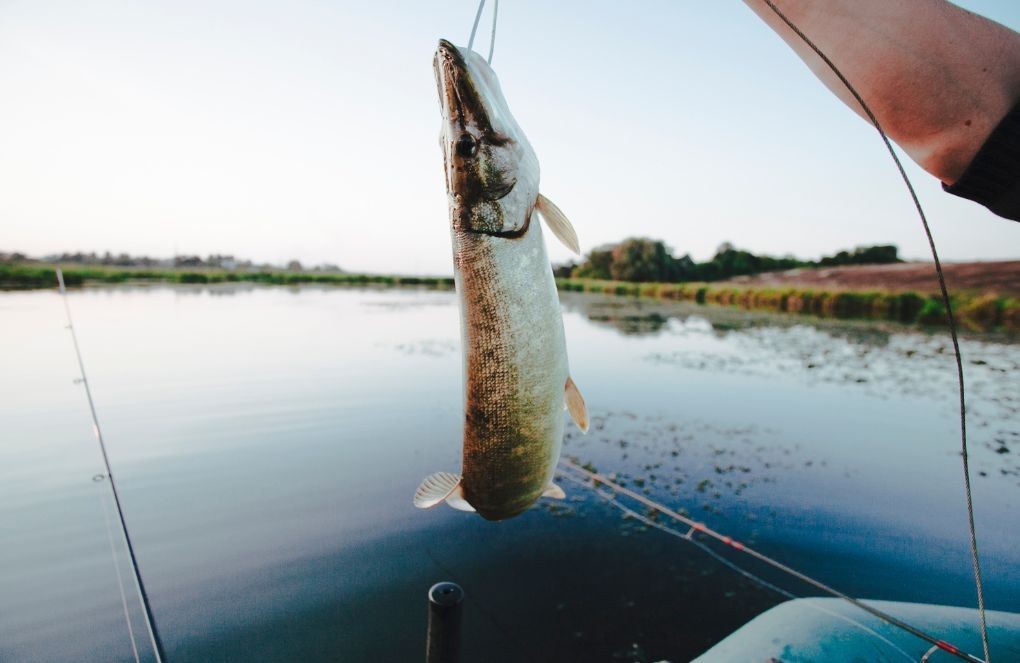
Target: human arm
{"points": [[938, 78]]}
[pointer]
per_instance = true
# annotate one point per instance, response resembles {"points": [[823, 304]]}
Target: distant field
{"points": [[985, 296], [1000, 277]]}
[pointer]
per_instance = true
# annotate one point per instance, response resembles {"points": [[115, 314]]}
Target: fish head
{"points": [[491, 169]]}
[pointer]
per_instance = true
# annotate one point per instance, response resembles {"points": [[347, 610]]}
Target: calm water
{"points": [[267, 442]]}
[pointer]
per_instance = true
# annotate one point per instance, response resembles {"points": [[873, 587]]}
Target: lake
{"points": [[267, 441]]}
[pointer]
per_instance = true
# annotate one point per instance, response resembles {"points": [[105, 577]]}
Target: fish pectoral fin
{"points": [[554, 491], [439, 487], [558, 223], [436, 488], [575, 404]]}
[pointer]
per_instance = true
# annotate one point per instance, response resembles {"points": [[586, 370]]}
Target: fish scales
{"points": [[515, 368]]}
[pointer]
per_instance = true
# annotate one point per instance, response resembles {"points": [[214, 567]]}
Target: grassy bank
{"points": [[973, 310], [22, 276]]}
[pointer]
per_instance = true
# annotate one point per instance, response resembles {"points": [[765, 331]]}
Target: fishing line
{"points": [[150, 620], [474, 28], [949, 315], [696, 526], [492, 39], [608, 497], [611, 499], [116, 569]]}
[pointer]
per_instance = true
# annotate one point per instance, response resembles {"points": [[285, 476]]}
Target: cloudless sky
{"points": [[308, 129]]}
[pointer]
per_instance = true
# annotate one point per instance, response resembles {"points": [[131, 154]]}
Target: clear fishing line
{"points": [[474, 28], [611, 499], [698, 527], [116, 568], [150, 620], [975, 559], [492, 39]]}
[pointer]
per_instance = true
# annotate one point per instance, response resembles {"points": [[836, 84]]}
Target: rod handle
{"points": [[443, 644]]}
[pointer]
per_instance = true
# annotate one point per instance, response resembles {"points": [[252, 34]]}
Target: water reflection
{"points": [[881, 359], [267, 441], [636, 316]]}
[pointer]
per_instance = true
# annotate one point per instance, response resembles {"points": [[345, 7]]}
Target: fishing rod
{"points": [[975, 559], [758, 580], [116, 570], [699, 527], [150, 620]]}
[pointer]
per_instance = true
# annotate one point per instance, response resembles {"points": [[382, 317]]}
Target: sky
{"points": [[308, 130]]}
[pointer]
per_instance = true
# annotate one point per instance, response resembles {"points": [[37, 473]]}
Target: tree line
{"points": [[639, 259], [213, 261]]}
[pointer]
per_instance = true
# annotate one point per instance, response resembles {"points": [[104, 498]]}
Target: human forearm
{"points": [[937, 78]]}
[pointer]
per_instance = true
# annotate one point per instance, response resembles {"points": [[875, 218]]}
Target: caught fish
{"points": [[515, 356]]}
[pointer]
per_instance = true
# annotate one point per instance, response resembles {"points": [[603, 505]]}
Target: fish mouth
{"points": [[448, 50], [458, 94]]}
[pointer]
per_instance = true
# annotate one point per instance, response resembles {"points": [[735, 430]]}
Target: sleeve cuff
{"points": [[993, 177]]}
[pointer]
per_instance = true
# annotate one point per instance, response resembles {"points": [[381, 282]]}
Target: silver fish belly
{"points": [[517, 380]]}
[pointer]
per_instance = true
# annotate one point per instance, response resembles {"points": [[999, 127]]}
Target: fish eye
{"points": [[466, 145]]}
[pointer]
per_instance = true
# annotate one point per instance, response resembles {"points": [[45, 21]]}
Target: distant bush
{"points": [[932, 312], [13, 276], [864, 255], [643, 260], [984, 312], [596, 265]]}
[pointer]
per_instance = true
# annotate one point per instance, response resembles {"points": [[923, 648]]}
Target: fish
{"points": [[517, 379]]}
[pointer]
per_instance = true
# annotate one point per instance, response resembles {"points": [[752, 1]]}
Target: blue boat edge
{"points": [[830, 629]]}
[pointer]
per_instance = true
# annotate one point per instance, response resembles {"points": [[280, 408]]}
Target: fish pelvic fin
{"points": [[558, 223], [457, 501], [439, 487], [554, 491], [575, 405]]}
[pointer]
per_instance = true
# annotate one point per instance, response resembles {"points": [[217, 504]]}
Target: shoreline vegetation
{"points": [[976, 310], [38, 275]]}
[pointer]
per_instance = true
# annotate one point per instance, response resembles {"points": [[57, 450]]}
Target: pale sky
{"points": [[308, 129]]}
